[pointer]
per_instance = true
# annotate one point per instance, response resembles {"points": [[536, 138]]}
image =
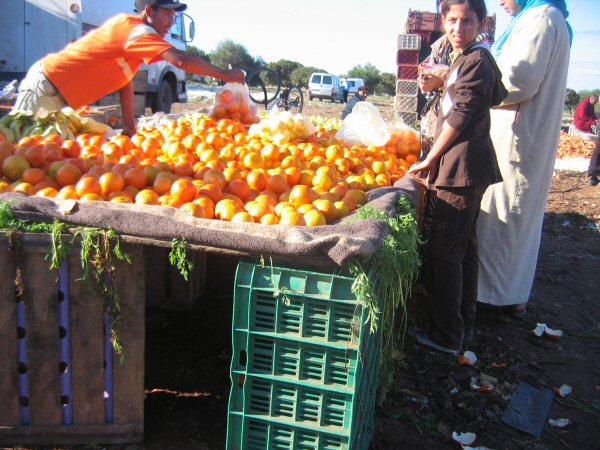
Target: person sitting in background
{"points": [[585, 118], [361, 94]]}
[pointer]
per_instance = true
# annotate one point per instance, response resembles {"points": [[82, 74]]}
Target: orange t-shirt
{"points": [[104, 60]]}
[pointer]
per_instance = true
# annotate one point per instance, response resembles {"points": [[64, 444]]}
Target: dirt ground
{"points": [[187, 353]]}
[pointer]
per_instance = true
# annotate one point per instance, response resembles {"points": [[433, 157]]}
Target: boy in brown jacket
{"points": [[461, 165]]}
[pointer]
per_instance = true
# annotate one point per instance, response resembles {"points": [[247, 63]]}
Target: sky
{"points": [[337, 35]]}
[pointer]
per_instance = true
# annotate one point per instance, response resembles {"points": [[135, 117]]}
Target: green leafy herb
{"points": [[179, 257], [388, 274]]}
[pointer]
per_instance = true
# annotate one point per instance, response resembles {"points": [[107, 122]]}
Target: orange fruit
{"points": [[183, 190], [301, 195], [67, 174], [314, 218], [277, 183], [342, 209], [162, 185], [242, 216], [239, 188], [136, 177], [253, 160], [91, 197], [327, 208], [36, 156], [112, 182], [68, 193], [88, 185], [207, 204], [24, 188], [47, 192], [146, 197], [269, 219], [71, 148], [194, 209], [226, 209], [256, 180], [292, 218], [33, 176], [211, 190], [14, 166]]}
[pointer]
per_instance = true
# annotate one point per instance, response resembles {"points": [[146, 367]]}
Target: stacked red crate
{"points": [[407, 60]]}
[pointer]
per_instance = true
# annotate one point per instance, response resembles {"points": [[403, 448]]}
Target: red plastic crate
{"points": [[407, 57], [408, 72], [423, 21]]}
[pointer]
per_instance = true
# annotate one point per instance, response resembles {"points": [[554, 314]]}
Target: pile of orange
{"points": [[210, 169]]}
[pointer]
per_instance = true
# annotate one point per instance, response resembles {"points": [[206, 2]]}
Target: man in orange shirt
{"points": [[107, 58]]}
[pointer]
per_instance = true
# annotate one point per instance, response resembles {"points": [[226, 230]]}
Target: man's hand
{"points": [[129, 130]]}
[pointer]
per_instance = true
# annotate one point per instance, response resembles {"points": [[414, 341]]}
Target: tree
{"points": [[230, 53], [284, 69], [301, 75], [369, 73], [387, 84], [198, 52], [571, 99]]}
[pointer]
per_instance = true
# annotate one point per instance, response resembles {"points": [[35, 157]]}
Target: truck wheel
{"points": [[163, 99]]}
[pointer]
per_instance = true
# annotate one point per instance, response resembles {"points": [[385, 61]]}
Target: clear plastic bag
{"points": [[364, 126], [403, 140], [282, 127], [232, 101]]}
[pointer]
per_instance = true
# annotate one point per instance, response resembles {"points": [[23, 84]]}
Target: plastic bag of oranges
{"points": [[364, 126], [232, 101], [404, 141]]}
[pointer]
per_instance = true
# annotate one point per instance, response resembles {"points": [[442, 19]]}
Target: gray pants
{"points": [[36, 91]]}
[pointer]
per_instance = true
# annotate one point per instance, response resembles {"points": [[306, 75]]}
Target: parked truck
{"points": [[30, 29]]}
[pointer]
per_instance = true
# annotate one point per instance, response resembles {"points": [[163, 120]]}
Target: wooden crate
{"points": [[56, 385], [166, 287]]}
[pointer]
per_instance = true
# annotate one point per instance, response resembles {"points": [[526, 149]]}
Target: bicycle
{"points": [[265, 89]]}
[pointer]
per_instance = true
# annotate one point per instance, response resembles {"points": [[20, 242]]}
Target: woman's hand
{"points": [[428, 83], [419, 169]]}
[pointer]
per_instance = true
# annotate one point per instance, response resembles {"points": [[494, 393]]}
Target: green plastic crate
{"points": [[304, 366]]}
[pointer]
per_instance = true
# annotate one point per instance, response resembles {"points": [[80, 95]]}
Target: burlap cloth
{"points": [[339, 241]]}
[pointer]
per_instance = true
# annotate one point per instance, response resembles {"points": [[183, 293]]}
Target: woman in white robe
{"points": [[533, 55]]}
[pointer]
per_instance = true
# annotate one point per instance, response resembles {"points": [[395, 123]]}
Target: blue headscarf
{"points": [[526, 5]]}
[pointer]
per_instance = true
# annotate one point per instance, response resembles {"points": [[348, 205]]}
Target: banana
{"points": [[38, 130], [27, 130], [8, 134], [15, 127], [75, 120], [69, 133], [49, 130], [6, 120], [89, 125]]}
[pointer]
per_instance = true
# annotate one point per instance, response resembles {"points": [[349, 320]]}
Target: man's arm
{"points": [[127, 109], [195, 64]]}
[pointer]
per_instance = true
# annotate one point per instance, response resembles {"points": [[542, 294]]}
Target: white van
{"points": [[354, 84], [325, 85]]}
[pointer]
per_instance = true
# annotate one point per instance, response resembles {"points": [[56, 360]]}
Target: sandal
{"points": [[426, 341]]}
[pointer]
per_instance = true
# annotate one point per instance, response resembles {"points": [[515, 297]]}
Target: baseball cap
{"points": [[170, 4]]}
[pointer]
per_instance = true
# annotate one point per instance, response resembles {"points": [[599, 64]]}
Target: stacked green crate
{"points": [[304, 365]]}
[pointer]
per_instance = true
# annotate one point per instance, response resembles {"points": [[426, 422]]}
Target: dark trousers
{"points": [[594, 167], [451, 263]]}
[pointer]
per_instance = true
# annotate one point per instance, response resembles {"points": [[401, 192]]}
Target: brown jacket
{"points": [[474, 85]]}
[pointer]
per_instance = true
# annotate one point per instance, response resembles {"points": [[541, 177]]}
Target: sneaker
{"points": [[425, 340], [593, 180]]}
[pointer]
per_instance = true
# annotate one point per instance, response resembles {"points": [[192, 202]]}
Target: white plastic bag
{"points": [[364, 126], [232, 101], [282, 127]]}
